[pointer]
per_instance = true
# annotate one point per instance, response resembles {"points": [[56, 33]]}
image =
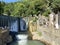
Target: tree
{"points": [[8, 8], [54, 5], [19, 9], [2, 4], [32, 7], [36, 6]]}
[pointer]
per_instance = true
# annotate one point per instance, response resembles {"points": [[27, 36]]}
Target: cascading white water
{"points": [[22, 39], [22, 36]]}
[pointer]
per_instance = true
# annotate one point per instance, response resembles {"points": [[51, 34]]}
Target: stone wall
{"points": [[49, 33]]}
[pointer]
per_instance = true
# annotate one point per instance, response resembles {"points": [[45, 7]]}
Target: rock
{"points": [[5, 37], [1, 42]]}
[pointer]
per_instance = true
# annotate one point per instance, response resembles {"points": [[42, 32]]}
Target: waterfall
{"points": [[22, 39]]}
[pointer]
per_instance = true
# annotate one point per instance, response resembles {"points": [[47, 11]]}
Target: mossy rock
{"points": [[29, 35], [40, 33]]}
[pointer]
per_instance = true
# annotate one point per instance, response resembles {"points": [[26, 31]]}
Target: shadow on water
{"points": [[22, 39]]}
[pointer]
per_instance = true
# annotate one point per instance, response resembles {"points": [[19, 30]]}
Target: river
{"points": [[22, 40]]}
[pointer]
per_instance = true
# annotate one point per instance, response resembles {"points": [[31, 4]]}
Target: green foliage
{"points": [[9, 8], [35, 19], [46, 13], [55, 5], [26, 7], [37, 6], [19, 9], [40, 33], [2, 4], [31, 7]]}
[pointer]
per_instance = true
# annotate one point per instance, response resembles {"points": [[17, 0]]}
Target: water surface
{"points": [[22, 40]]}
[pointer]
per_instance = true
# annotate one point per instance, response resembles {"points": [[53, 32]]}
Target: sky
{"points": [[9, 1]]}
